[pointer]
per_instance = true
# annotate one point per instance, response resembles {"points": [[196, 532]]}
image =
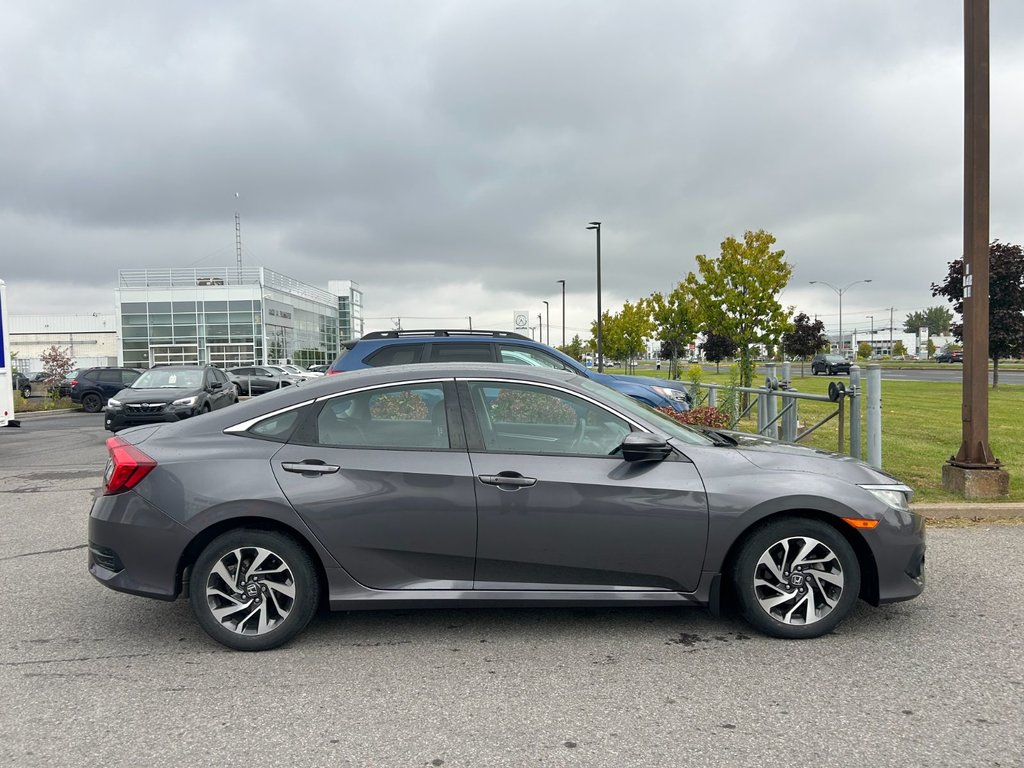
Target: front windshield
{"points": [[169, 378], [666, 424]]}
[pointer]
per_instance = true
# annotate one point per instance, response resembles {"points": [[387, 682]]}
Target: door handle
{"points": [[310, 467], [512, 479]]}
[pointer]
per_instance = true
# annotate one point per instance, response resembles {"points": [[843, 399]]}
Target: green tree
{"points": [[937, 320], [863, 350], [1005, 301], [574, 348], [623, 334], [805, 339], [899, 349], [717, 348], [738, 293], [677, 321]]}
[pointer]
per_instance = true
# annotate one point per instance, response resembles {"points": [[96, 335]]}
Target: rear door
{"points": [[383, 478]]}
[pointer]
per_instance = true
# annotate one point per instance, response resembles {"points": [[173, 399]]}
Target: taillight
{"points": [[331, 371], [74, 383], [128, 465]]}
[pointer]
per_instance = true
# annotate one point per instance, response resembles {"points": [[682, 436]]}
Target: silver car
{"points": [[476, 484]]}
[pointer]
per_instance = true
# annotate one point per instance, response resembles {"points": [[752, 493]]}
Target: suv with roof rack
{"points": [[383, 348]]}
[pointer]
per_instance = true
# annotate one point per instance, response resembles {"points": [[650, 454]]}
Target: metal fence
{"points": [[776, 407]]}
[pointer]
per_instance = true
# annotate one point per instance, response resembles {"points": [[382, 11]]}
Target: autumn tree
{"points": [[677, 320], [937, 320], [1005, 301], [717, 348], [57, 363], [804, 339], [738, 294]]}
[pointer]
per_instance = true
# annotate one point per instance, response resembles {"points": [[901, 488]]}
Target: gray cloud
{"points": [[447, 155]]}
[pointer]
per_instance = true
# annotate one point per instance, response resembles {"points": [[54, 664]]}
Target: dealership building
{"points": [[231, 317]]}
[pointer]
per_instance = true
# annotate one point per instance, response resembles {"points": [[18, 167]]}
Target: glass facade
{"points": [[228, 319]]}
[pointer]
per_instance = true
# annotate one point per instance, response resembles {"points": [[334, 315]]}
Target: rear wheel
{"points": [[796, 578], [92, 403], [253, 590], [26, 392]]}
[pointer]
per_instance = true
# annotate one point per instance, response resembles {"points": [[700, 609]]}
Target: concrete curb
{"points": [[29, 415], [969, 511]]}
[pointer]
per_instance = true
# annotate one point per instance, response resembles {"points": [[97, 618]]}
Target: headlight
{"points": [[186, 402], [895, 496], [672, 394], [113, 402]]}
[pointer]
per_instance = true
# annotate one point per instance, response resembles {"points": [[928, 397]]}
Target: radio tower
{"points": [[238, 243]]}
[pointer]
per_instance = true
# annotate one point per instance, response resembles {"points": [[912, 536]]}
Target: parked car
{"points": [[319, 368], [258, 379], [381, 348], [63, 389], [294, 371], [169, 393], [829, 364], [949, 356], [480, 484], [92, 387], [20, 383]]}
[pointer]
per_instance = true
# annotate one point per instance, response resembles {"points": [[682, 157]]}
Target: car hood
{"points": [[161, 395], [766, 453], [651, 381]]}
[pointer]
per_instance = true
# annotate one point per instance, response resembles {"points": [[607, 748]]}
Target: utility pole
{"points": [[974, 472]]}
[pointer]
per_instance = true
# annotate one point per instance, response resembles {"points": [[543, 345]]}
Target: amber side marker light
{"points": [[860, 522]]}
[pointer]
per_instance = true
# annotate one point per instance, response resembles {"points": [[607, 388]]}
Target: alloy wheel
{"points": [[250, 590], [798, 580]]}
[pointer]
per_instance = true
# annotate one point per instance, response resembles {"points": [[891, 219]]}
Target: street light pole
{"points": [[563, 312], [872, 319], [547, 311], [596, 225], [840, 292]]}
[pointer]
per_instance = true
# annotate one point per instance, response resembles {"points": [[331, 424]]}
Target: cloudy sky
{"points": [[448, 154]]}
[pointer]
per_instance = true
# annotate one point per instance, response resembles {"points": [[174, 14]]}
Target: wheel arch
{"points": [[191, 552], [865, 558]]}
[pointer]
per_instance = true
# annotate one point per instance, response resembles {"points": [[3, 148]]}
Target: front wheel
{"points": [[253, 590], [92, 403], [796, 578]]}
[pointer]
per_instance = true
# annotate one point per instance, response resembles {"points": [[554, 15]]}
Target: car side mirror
{"points": [[643, 446], [216, 385]]}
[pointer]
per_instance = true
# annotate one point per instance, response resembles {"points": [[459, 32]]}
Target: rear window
{"points": [[396, 354]]}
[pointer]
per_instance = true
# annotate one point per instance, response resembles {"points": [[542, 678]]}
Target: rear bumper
{"points": [[134, 547]]}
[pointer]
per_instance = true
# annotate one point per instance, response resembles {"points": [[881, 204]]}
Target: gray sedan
{"points": [[484, 484]]}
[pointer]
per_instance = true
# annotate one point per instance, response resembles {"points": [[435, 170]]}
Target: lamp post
{"points": [[563, 312], [596, 226], [872, 319], [840, 292], [547, 311]]}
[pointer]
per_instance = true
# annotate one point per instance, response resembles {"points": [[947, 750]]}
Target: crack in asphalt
{"points": [[44, 552]]}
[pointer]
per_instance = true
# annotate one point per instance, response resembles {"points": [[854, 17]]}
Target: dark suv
{"points": [[830, 365], [382, 348], [170, 393], [92, 387]]}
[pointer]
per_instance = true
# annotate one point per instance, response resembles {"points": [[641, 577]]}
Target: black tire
{"points": [[26, 392], [92, 403], [814, 371], [827, 590], [290, 614]]}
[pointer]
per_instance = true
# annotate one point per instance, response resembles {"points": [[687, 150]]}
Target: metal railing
{"points": [[777, 408]]}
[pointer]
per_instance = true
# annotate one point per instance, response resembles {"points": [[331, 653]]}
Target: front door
{"points": [[558, 511]]}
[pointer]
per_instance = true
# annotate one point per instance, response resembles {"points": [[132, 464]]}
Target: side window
{"points": [[396, 354], [517, 355], [128, 377], [520, 418], [409, 416], [108, 377], [461, 353], [279, 427]]}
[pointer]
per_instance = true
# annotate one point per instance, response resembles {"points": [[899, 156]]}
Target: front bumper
{"points": [[120, 418], [134, 547], [898, 544]]}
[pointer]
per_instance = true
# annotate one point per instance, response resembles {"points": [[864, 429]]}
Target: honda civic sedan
{"points": [[481, 484]]}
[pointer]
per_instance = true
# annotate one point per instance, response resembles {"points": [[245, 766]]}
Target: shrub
{"points": [[704, 415]]}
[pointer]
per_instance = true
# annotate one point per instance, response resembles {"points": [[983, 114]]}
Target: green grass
{"points": [[921, 427]]}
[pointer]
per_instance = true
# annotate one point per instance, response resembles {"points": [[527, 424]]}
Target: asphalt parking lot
{"points": [[95, 678]]}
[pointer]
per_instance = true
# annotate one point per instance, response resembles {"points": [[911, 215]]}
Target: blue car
{"points": [[383, 348]]}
